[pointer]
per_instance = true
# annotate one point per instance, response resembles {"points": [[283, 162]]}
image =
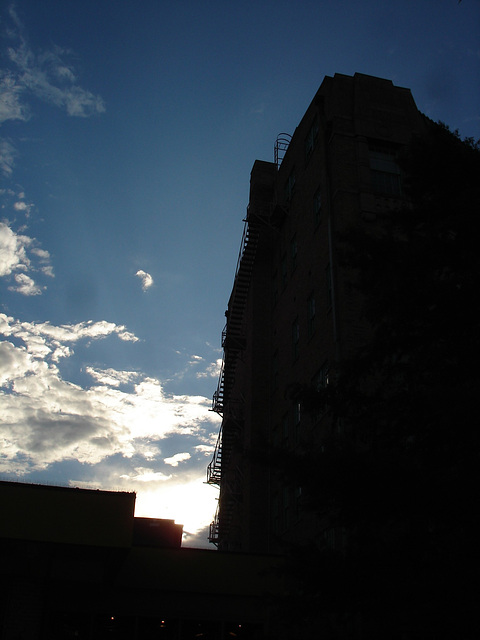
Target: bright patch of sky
{"points": [[127, 134]]}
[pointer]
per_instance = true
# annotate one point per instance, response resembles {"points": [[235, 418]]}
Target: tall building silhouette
{"points": [[293, 315]]}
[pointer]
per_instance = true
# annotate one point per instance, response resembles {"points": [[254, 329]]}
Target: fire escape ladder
{"points": [[280, 149], [221, 471], [230, 429], [214, 469], [233, 335], [222, 523]]}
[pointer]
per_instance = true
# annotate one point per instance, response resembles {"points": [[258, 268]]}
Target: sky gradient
{"points": [[127, 134]]}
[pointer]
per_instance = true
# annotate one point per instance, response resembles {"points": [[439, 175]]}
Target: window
{"points": [[276, 513], [286, 507], [384, 170], [293, 252], [283, 271], [275, 371], [310, 315], [296, 420], [328, 277], [311, 139], [295, 338], [275, 288], [320, 381], [317, 207], [298, 500], [290, 185]]}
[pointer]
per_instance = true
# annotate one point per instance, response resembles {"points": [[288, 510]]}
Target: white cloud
{"points": [[13, 254], [112, 377], [47, 76], [19, 256], [46, 419], [11, 107], [206, 449], [212, 371], [143, 474], [25, 285], [177, 458], [7, 156], [146, 278]]}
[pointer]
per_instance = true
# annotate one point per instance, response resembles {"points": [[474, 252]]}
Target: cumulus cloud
{"points": [[25, 285], [177, 458], [13, 250], [212, 370], [146, 278], [143, 474], [45, 418], [112, 377], [20, 259]]}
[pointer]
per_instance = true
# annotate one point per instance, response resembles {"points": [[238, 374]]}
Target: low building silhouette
{"points": [[76, 563]]}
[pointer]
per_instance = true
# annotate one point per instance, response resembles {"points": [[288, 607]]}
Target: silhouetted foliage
{"points": [[400, 473]]}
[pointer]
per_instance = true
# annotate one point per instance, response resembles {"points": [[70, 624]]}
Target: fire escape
{"points": [[227, 406], [228, 401]]}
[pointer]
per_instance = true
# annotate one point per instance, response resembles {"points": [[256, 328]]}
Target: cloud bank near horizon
{"points": [[46, 418], [118, 426]]}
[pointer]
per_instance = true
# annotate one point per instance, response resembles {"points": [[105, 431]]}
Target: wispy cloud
{"points": [[7, 157], [146, 279], [46, 75]]}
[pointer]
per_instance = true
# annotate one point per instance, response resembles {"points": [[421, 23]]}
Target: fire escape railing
{"points": [[233, 343], [233, 334]]}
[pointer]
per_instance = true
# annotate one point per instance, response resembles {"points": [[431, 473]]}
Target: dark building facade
{"points": [[293, 315]]}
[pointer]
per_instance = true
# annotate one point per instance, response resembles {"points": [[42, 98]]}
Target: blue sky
{"points": [[127, 133]]}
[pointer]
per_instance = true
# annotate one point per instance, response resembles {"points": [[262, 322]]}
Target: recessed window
{"points": [[328, 278], [283, 272], [275, 371], [319, 382], [286, 507], [317, 207], [384, 170], [285, 428], [321, 379], [311, 315], [311, 139], [290, 185], [275, 288], [293, 252], [295, 338]]}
